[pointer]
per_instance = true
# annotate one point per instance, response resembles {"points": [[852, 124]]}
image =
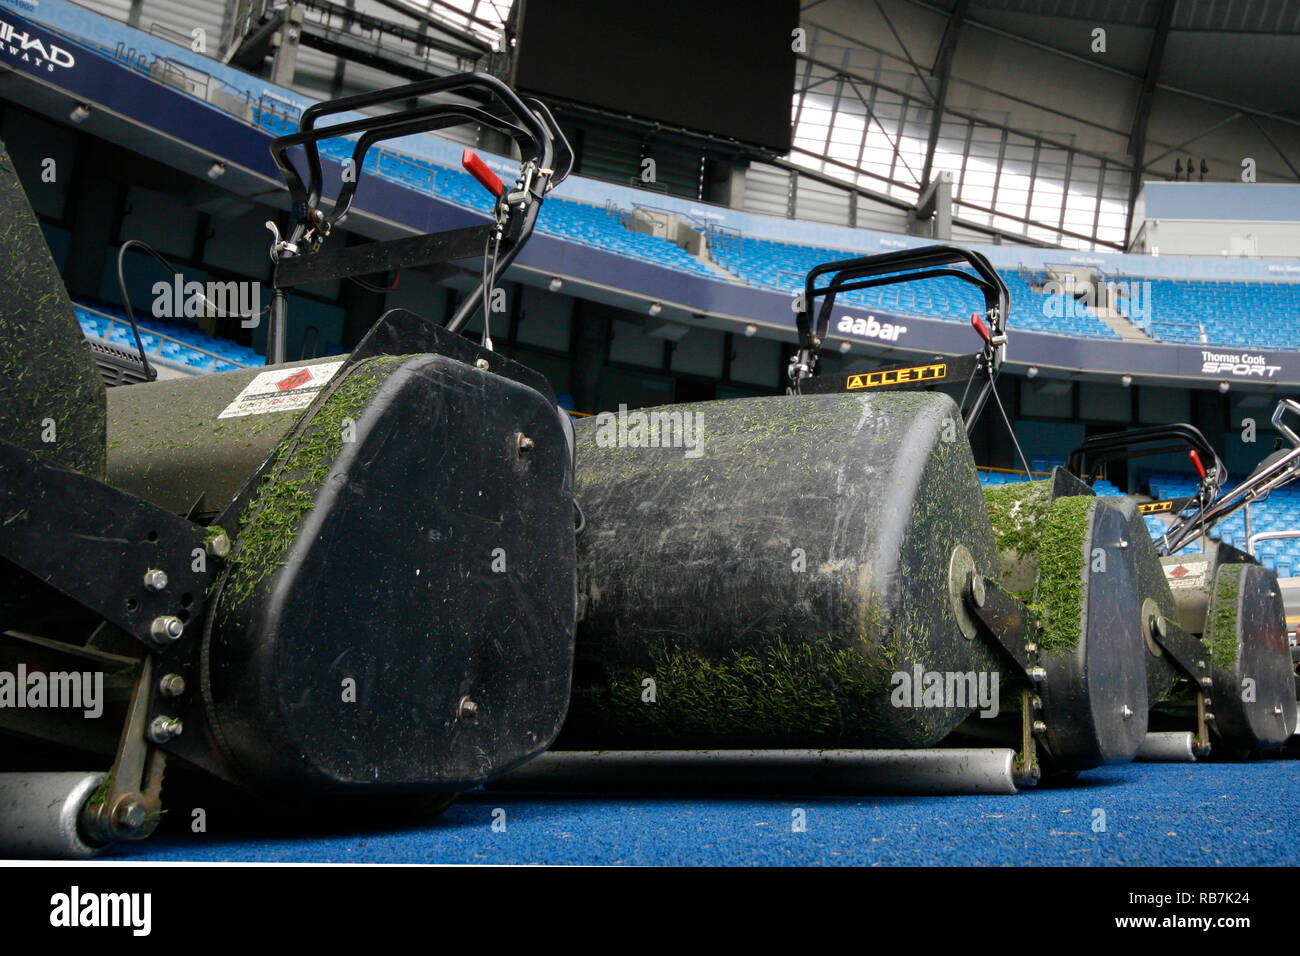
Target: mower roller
{"points": [[339, 578]]}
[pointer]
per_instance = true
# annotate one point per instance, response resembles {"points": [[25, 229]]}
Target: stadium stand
{"points": [[180, 345], [1262, 315]]}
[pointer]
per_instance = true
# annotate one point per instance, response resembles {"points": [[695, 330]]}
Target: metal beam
{"points": [[943, 69], [1137, 140], [1104, 67], [1263, 132]]}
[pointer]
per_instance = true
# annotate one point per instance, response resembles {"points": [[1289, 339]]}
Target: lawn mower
{"points": [[319, 582], [1218, 653], [815, 585]]}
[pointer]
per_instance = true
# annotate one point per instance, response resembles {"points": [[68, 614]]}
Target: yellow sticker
{"points": [[898, 376], [1155, 507]]}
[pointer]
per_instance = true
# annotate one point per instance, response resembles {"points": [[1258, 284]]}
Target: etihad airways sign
{"points": [[19, 44]]}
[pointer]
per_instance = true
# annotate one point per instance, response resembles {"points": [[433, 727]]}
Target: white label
{"points": [[1187, 574], [283, 390]]}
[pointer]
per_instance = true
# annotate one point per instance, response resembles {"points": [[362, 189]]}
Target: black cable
{"points": [[369, 287], [1011, 431], [150, 372], [487, 273]]}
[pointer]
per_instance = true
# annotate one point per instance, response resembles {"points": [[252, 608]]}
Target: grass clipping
{"points": [[777, 692], [287, 491], [1047, 539], [1058, 600], [1221, 635]]}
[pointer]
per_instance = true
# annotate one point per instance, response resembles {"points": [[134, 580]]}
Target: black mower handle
{"points": [[534, 133], [867, 271], [1144, 442]]}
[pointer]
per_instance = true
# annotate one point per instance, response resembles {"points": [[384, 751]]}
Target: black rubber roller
{"points": [[1095, 693], [1245, 632], [765, 583]]}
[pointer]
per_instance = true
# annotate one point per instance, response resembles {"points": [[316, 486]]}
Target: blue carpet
{"points": [[1154, 815]]}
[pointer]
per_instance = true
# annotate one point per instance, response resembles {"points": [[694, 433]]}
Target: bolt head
{"points": [[1040, 727], [525, 443], [164, 729], [468, 708], [481, 364], [978, 592], [219, 545], [1205, 682], [130, 815], [172, 685], [166, 628], [1037, 674], [1127, 711], [155, 579]]}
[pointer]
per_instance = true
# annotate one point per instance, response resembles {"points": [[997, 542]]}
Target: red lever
{"points": [[1196, 462], [978, 325], [479, 170]]}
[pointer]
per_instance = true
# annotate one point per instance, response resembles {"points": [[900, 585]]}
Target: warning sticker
{"points": [[282, 390], [1188, 574]]}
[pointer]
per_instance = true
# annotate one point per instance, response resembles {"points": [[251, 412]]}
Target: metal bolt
{"points": [[1201, 664], [219, 545], [1127, 711], [1205, 681], [525, 443], [1122, 544], [172, 685], [1036, 702], [481, 364], [1031, 648], [164, 729], [155, 580], [978, 592], [468, 708], [166, 628], [1277, 709], [1040, 727], [1037, 674], [129, 815], [1209, 717], [1161, 627]]}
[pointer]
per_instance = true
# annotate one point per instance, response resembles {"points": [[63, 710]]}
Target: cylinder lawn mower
{"points": [[820, 572], [325, 579], [1218, 655]]}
